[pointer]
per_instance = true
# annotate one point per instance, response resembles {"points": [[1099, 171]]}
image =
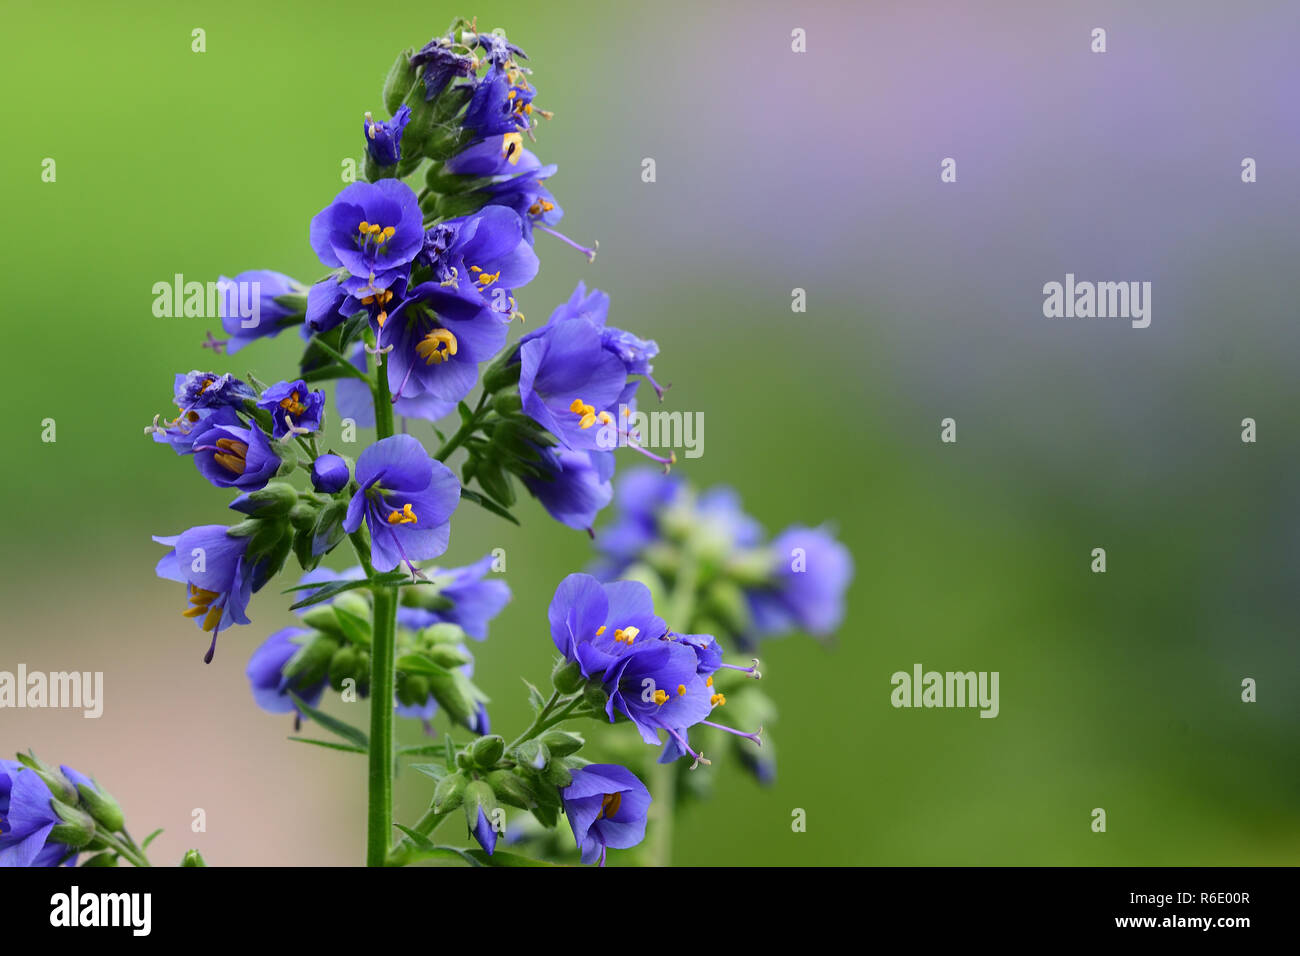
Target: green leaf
{"points": [[150, 838], [333, 724], [420, 664], [420, 750], [332, 745], [488, 505], [335, 588], [535, 697], [449, 757], [502, 858], [435, 770]]}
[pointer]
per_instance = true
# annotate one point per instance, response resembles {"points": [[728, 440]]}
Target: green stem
{"points": [[464, 432], [382, 675], [131, 854], [344, 365]]}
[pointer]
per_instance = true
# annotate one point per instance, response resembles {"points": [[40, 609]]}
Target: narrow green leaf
{"points": [[488, 504], [502, 858], [348, 748], [150, 838], [333, 724]]}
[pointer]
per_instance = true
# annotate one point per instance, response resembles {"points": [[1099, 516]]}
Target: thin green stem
{"points": [[132, 854], [464, 432], [382, 675], [344, 365]]}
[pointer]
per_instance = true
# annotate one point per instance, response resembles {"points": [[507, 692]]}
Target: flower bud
{"points": [[77, 828], [478, 795], [595, 696], [445, 632], [488, 750], [101, 859], [449, 655], [321, 617], [507, 402], [312, 661], [400, 79], [501, 374], [450, 792], [303, 516], [561, 743], [342, 666], [412, 689], [511, 789], [533, 754], [329, 474], [193, 858], [557, 773], [567, 676], [102, 807], [275, 500]]}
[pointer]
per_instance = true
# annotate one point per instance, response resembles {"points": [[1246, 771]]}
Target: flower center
{"points": [[233, 455], [626, 635], [380, 298], [201, 601], [436, 347], [587, 414], [373, 232], [405, 516], [512, 147], [293, 404], [609, 805], [661, 697], [485, 279]]}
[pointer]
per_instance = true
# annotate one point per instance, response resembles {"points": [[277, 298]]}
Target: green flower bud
{"points": [[726, 602], [275, 500], [455, 694], [77, 828], [193, 858], [506, 403], [533, 754], [363, 673], [754, 568], [594, 696], [501, 374], [511, 789], [450, 792], [478, 795], [567, 676], [401, 77], [101, 805], [412, 689], [448, 655], [353, 603], [303, 515], [557, 773], [561, 743], [343, 665], [488, 750], [311, 663], [321, 617], [101, 859]]}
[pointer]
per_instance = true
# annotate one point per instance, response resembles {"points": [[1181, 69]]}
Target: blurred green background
{"points": [[774, 171]]}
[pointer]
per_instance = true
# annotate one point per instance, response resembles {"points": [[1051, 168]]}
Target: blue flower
{"points": [[265, 673], [26, 820], [606, 805], [569, 383], [232, 455], [657, 686], [485, 833], [515, 178], [384, 139], [406, 499], [812, 572], [439, 337], [474, 600], [272, 316], [371, 232], [441, 65], [502, 103], [218, 577], [576, 485], [635, 353], [293, 407], [641, 495], [356, 401], [329, 474], [596, 624], [198, 390], [486, 251]]}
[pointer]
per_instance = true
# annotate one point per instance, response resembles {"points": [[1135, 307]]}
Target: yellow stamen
{"points": [[405, 516], [717, 700], [626, 635], [600, 630], [436, 347], [681, 690], [487, 278], [609, 805], [660, 697], [213, 618], [512, 147], [708, 681], [195, 611], [292, 405], [233, 455]]}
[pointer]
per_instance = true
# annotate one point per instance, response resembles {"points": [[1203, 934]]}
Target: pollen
{"points": [[661, 697], [541, 207], [708, 681], [600, 630], [405, 516], [717, 700], [436, 347], [626, 635], [681, 690], [487, 278]]}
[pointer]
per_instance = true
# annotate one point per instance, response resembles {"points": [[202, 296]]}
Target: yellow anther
{"points": [[436, 347], [364, 227], [487, 278], [626, 635], [717, 700], [605, 418], [512, 147], [681, 690], [292, 404], [609, 805], [708, 681], [661, 697], [600, 630], [195, 611], [233, 455], [405, 516], [213, 618]]}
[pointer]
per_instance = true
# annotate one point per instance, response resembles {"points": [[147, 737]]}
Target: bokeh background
{"points": [[775, 170]]}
